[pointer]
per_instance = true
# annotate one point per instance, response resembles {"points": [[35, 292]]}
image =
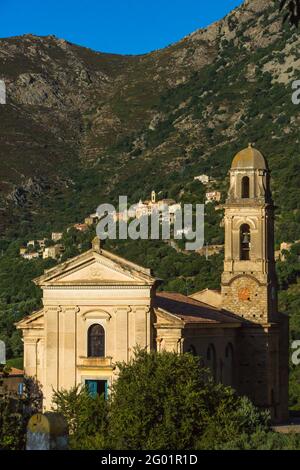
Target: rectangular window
{"points": [[20, 388], [97, 387]]}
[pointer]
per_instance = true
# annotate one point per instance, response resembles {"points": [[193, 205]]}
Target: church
{"points": [[97, 307]]}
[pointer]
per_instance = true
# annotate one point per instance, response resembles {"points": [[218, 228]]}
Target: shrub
{"points": [[168, 401], [15, 413], [85, 415]]}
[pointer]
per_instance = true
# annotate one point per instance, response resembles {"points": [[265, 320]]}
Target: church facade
{"points": [[98, 307]]}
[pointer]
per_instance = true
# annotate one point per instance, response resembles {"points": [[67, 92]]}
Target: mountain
{"points": [[82, 127]]}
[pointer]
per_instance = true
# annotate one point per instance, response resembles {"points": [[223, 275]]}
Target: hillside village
{"points": [[166, 208]]}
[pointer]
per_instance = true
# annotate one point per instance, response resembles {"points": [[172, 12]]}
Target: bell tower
{"points": [[249, 278]]}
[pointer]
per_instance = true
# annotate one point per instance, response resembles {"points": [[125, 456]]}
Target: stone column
{"points": [[30, 356], [52, 325], [68, 347], [121, 334], [142, 333]]}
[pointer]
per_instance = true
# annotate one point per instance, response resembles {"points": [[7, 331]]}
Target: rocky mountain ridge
{"points": [[80, 126]]}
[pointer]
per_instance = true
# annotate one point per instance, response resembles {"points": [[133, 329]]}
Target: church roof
{"points": [[208, 296], [249, 158], [94, 268], [190, 310], [34, 320], [13, 372]]}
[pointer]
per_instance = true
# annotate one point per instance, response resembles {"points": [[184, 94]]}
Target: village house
{"points": [[39, 244], [12, 383], [91, 220], [53, 252], [80, 227], [42, 243], [56, 236], [31, 255], [204, 179], [120, 216], [166, 208], [213, 196]]}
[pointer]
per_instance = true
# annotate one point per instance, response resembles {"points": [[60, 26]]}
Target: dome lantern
{"points": [[249, 158]]}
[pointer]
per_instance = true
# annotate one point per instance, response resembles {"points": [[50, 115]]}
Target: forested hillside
{"points": [[81, 128]]}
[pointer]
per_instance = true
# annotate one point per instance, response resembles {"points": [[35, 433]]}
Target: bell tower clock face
{"points": [[244, 294], [246, 289], [246, 298]]}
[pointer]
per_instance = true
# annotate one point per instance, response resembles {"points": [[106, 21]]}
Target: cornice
{"points": [[243, 275], [95, 286]]}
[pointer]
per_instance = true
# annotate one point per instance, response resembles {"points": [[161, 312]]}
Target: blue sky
{"points": [[119, 26]]}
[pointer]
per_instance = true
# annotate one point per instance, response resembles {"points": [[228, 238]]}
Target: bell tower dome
{"points": [[249, 279]]}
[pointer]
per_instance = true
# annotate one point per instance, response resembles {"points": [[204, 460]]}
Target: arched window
{"points": [[229, 366], [245, 187], [192, 350], [229, 352], [212, 360], [273, 404], [245, 242], [96, 341]]}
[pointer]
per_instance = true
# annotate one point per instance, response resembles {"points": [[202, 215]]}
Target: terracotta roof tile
{"points": [[191, 310], [14, 371]]}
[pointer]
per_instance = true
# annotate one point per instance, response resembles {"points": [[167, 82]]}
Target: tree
{"points": [[168, 401], [15, 413], [232, 426], [85, 415]]}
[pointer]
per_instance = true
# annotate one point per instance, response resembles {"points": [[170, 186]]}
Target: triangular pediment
{"points": [[33, 321], [96, 268], [164, 318]]}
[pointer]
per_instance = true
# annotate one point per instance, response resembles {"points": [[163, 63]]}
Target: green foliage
{"points": [[15, 413], [12, 430], [289, 270], [233, 418], [289, 302], [16, 362], [294, 390], [76, 242], [167, 401], [182, 272], [260, 439], [86, 417]]}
